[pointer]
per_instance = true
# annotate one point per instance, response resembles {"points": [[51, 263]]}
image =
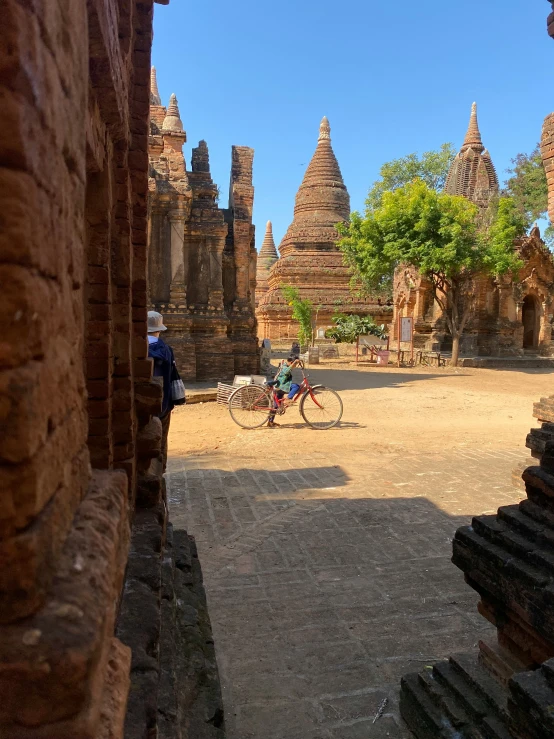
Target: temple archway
{"points": [[530, 317]]}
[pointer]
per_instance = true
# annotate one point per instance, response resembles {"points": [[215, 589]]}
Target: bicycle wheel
{"points": [[249, 406], [321, 407]]}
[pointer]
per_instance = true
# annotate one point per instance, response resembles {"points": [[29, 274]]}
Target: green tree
{"points": [[432, 167], [528, 187], [302, 311], [439, 235], [349, 328]]}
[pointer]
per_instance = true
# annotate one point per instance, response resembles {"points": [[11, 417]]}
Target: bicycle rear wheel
{"points": [[321, 407], [249, 406]]}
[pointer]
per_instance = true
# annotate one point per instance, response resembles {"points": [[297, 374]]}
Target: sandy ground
{"points": [[385, 410], [326, 554]]}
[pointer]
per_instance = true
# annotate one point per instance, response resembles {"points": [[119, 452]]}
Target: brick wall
{"points": [[75, 381]]}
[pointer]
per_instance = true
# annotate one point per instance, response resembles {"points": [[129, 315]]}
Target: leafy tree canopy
{"points": [[348, 328], [528, 187], [432, 167], [439, 235]]}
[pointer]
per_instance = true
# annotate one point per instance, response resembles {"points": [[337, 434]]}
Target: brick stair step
{"points": [[421, 714], [484, 685], [537, 513], [441, 695], [543, 559], [520, 522], [531, 701], [547, 669], [493, 728], [464, 691], [497, 532]]}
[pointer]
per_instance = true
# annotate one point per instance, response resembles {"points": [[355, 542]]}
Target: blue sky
{"points": [[392, 77]]}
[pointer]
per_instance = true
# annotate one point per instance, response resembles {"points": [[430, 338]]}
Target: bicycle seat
{"points": [[271, 383]]}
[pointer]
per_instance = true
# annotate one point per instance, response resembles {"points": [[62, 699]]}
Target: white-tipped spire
{"points": [[473, 135], [155, 98], [172, 120], [324, 129]]}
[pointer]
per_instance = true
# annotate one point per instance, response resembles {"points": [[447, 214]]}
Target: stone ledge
{"points": [[175, 688], [53, 663]]}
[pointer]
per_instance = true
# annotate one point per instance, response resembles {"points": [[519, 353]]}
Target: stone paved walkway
{"points": [[329, 577]]}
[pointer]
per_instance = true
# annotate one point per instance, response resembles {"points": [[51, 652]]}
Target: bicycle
{"points": [[250, 406]]}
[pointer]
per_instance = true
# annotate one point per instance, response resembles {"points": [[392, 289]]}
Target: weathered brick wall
{"points": [[202, 258], [74, 105], [43, 426]]}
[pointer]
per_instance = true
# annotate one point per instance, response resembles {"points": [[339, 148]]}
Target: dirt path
{"points": [[326, 554], [388, 410]]}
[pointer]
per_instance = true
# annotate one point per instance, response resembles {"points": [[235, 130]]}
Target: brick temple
{"points": [[512, 315], [505, 690], [201, 258], [103, 626], [309, 257]]}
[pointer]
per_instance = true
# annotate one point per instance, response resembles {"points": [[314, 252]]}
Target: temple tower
{"points": [[266, 259], [310, 259], [201, 258], [472, 173]]}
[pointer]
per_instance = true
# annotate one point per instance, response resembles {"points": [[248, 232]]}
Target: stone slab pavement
{"points": [[329, 577]]}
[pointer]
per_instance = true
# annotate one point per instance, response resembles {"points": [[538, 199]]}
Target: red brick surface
{"points": [[74, 105]]}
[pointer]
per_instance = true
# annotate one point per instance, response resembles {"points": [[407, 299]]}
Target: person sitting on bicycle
{"points": [[284, 385]]}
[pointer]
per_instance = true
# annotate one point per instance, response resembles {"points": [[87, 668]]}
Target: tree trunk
{"points": [[455, 349]]}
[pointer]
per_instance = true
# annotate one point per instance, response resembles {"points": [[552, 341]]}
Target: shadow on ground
{"points": [[352, 379], [326, 594]]}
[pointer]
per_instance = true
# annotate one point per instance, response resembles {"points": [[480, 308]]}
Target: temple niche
{"points": [[309, 257], [512, 315], [201, 258]]}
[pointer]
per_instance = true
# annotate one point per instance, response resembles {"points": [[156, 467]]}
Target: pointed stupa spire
{"points": [[472, 172], [268, 250], [172, 120], [324, 129], [266, 259], [473, 135], [155, 98], [322, 199]]}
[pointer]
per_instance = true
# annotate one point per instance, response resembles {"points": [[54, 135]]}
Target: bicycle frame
{"points": [[304, 389]]}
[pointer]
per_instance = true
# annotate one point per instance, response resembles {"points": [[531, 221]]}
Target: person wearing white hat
{"points": [[164, 366]]}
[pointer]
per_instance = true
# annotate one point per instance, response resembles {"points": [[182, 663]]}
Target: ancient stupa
{"points": [[472, 173], [310, 259], [266, 259]]}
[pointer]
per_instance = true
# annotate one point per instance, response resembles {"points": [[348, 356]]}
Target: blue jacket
{"points": [[162, 354]]}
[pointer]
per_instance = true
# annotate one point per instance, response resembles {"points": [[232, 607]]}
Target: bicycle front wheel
{"points": [[321, 407], [249, 406]]}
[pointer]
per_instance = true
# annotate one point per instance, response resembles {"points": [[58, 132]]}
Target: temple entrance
{"points": [[530, 320]]}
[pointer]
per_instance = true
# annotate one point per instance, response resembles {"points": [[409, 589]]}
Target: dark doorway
{"points": [[530, 320]]}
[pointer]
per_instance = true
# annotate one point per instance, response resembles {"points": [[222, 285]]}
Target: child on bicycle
{"points": [[284, 385]]}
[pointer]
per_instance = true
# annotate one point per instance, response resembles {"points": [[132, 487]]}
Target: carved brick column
{"points": [[215, 245], [179, 259]]}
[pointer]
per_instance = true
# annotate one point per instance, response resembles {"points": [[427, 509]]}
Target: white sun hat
{"points": [[155, 322]]}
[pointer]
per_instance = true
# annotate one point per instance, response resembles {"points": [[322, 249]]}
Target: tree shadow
{"points": [[369, 380]]}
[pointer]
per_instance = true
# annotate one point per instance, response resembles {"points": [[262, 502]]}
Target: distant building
{"points": [[309, 257], [201, 258], [512, 314]]}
